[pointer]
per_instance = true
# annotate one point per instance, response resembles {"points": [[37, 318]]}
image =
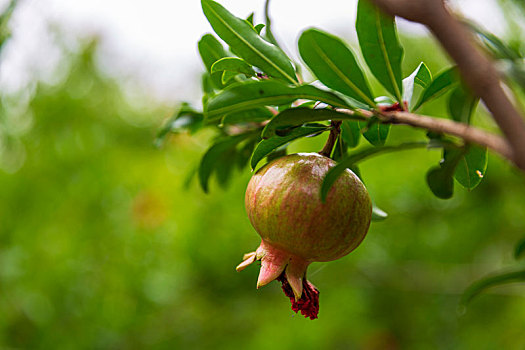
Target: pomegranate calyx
{"points": [[290, 270]]}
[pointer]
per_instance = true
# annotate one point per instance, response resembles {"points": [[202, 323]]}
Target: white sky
{"points": [[155, 42]]}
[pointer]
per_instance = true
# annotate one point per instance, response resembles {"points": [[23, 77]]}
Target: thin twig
{"points": [[445, 126], [332, 138]]}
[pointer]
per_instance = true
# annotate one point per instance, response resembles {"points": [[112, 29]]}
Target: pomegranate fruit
{"points": [[297, 228]]}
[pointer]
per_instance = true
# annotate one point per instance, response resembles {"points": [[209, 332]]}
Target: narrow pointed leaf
{"points": [[185, 119], [207, 84], [351, 133], [380, 46], [340, 149], [498, 48], [245, 152], [224, 167], [268, 22], [440, 182], [441, 84], [492, 281], [228, 76], [249, 45], [375, 133], [421, 76], [265, 147], [233, 64], [472, 167], [352, 103], [334, 64], [297, 116], [440, 179], [278, 153], [252, 94], [256, 115], [211, 50], [212, 157], [461, 104], [259, 28], [249, 19]]}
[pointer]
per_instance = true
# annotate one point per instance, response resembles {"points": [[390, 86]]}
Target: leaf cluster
{"points": [[255, 98]]}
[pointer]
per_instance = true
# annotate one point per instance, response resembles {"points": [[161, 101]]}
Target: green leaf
{"points": [[421, 76], [352, 103], [268, 22], [375, 132], [461, 104], [249, 19], [340, 149], [440, 182], [378, 214], [246, 43], [233, 64], [334, 64], [278, 153], [380, 46], [441, 84], [249, 116], [211, 50], [491, 281], [212, 157], [228, 76], [440, 179], [265, 147], [297, 116], [185, 119], [350, 132], [224, 168], [472, 167], [259, 28], [361, 155], [245, 152], [207, 85], [252, 94], [188, 179], [519, 252], [499, 49]]}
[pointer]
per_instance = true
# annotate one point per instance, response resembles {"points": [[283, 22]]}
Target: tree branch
{"points": [[332, 138], [466, 132], [476, 69]]}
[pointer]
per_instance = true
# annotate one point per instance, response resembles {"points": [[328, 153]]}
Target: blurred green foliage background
{"points": [[103, 247]]}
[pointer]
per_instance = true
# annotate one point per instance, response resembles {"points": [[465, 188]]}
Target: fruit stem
{"points": [[332, 138]]}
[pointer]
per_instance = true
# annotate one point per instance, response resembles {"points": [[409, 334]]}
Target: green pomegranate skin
{"points": [[284, 206]]}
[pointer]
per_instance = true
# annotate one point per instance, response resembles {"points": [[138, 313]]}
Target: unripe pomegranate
{"points": [[284, 206]]}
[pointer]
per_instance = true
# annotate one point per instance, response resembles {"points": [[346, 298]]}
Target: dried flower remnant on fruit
{"points": [[308, 304], [284, 206]]}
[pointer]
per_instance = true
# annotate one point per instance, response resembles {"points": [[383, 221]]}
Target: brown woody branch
{"points": [[476, 69], [332, 138], [466, 132]]}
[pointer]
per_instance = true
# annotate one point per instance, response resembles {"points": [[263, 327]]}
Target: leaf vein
{"points": [[260, 54]]}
